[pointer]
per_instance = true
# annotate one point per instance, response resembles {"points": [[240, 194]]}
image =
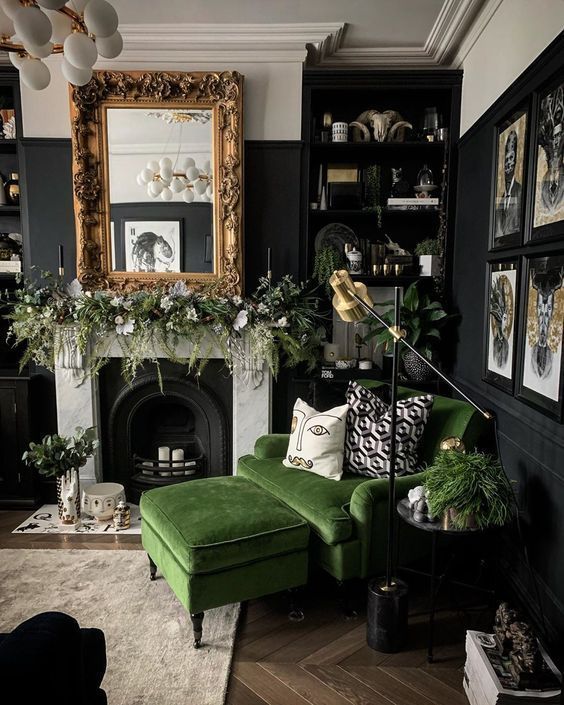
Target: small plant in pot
{"points": [[62, 457], [429, 252], [469, 490], [423, 320]]}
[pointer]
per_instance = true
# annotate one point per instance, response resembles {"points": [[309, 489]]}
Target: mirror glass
{"points": [[161, 189]]}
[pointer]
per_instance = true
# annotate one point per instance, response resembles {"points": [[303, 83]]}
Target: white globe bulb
{"points": [[80, 50], [11, 7], [78, 5], [209, 191], [147, 175], [16, 59], [188, 196], [164, 162], [78, 77], [187, 163], [192, 173], [156, 188], [176, 185], [167, 173], [200, 187], [153, 165], [110, 47], [61, 25], [139, 180], [207, 167], [51, 4], [41, 52], [32, 26], [166, 194], [35, 74], [6, 25], [149, 191], [101, 18]]}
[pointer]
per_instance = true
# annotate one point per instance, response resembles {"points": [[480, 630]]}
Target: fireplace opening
{"points": [[153, 438]]}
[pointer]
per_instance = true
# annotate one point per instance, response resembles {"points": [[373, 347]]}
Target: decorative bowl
{"points": [[101, 499], [345, 364]]}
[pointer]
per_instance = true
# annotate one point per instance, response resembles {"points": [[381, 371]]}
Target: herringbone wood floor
{"points": [[323, 660]]}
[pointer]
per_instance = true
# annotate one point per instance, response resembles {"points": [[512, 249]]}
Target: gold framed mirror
{"points": [[157, 179]]}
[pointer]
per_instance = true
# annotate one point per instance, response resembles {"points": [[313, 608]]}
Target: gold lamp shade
{"points": [[345, 305]]}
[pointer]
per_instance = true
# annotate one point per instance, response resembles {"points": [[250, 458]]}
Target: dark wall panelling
{"points": [[532, 445]]}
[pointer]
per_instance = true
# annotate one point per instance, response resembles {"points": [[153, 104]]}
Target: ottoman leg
{"points": [[197, 620], [152, 568]]}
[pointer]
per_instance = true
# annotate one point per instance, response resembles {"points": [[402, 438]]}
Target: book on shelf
{"points": [[488, 679], [10, 266], [431, 201]]}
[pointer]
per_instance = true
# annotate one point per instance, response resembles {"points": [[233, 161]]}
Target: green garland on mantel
{"points": [[281, 321]]}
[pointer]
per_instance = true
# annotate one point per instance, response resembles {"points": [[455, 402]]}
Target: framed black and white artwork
{"points": [[152, 245], [548, 205], [501, 324], [540, 375], [509, 181]]}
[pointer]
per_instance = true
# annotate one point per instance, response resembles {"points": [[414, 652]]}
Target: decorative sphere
{"points": [[41, 52], [200, 187], [176, 185], [80, 50], [78, 77], [187, 163], [153, 165], [51, 4], [167, 173], [165, 162], [149, 191], [16, 59], [188, 196], [192, 173], [35, 74], [61, 25], [166, 194], [110, 47], [32, 26], [156, 188], [101, 18], [6, 25], [11, 7], [147, 175]]}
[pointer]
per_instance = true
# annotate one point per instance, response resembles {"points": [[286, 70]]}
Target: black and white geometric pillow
{"points": [[367, 451], [364, 408]]}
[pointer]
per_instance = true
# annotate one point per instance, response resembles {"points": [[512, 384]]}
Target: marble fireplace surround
{"points": [[78, 395]]}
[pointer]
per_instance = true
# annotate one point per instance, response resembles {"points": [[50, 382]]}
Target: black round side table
{"points": [[436, 529]]}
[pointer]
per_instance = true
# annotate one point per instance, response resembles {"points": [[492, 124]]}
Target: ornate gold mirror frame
{"points": [[220, 92]]}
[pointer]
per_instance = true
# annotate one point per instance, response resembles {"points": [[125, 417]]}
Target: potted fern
{"points": [[469, 490], [62, 457]]}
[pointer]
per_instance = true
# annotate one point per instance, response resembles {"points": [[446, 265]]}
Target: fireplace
{"points": [[186, 420]]}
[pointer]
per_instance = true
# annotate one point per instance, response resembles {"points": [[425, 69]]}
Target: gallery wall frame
{"points": [[510, 179], [501, 318], [540, 377], [546, 155]]}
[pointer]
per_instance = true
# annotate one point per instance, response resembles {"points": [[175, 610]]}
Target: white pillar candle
{"points": [[164, 454], [178, 455]]}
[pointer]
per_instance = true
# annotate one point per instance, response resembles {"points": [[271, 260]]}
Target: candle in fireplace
{"points": [[178, 457], [164, 455]]}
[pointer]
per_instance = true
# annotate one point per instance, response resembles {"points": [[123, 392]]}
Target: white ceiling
{"points": [[369, 23]]}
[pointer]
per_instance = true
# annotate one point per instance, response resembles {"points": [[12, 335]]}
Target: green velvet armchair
{"points": [[348, 518]]}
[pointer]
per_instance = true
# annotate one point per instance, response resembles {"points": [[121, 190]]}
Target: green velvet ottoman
{"points": [[221, 540]]}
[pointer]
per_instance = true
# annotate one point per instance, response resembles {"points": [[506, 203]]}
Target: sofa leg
{"points": [[152, 568], [295, 613], [197, 620], [345, 599]]}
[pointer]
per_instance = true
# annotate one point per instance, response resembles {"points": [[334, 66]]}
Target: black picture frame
{"points": [[503, 274], [504, 211], [542, 131], [542, 273]]}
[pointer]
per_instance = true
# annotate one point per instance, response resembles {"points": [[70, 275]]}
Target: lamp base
{"points": [[386, 629]]}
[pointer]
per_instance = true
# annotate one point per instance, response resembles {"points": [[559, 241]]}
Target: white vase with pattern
{"points": [[68, 498]]}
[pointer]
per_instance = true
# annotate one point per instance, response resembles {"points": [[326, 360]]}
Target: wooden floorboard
{"points": [[323, 660]]}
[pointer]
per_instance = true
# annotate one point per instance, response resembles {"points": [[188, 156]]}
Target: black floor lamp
{"points": [[353, 303]]}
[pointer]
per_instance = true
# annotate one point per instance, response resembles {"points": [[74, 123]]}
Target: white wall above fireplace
{"points": [[78, 395]]}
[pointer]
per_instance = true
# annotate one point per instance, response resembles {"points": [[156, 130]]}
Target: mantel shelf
{"points": [[402, 280], [316, 213]]}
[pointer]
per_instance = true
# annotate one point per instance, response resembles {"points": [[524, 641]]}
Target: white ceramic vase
{"points": [[68, 498]]}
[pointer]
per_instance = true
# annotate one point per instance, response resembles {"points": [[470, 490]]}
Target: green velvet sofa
{"points": [[347, 519]]}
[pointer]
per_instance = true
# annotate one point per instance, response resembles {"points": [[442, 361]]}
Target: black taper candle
{"points": [[61, 262], [269, 264]]}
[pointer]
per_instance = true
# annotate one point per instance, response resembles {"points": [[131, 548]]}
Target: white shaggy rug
{"points": [[150, 656]]}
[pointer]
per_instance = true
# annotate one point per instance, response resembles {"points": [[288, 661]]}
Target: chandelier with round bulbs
{"points": [[80, 30], [164, 179]]}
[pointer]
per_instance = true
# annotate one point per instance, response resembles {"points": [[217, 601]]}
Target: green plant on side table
{"points": [[327, 260], [62, 457], [471, 489], [422, 320]]}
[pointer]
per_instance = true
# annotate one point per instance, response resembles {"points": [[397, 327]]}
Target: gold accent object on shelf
{"points": [[453, 443]]}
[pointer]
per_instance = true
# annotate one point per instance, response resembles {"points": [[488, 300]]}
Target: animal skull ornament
{"points": [[388, 126]]}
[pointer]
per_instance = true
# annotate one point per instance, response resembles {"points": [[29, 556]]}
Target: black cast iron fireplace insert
{"points": [[186, 415]]}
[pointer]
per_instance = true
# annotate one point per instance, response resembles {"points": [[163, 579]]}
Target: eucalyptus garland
{"points": [[281, 321]]}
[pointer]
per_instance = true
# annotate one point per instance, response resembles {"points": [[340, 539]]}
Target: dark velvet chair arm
{"points": [[274, 445]]}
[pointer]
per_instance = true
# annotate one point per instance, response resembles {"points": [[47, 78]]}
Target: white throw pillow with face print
{"points": [[317, 440]]}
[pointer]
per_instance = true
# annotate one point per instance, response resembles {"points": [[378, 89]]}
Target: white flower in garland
{"points": [[241, 320], [191, 314], [282, 322], [117, 301], [167, 303], [179, 288], [262, 309], [74, 289], [237, 300], [124, 326]]}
